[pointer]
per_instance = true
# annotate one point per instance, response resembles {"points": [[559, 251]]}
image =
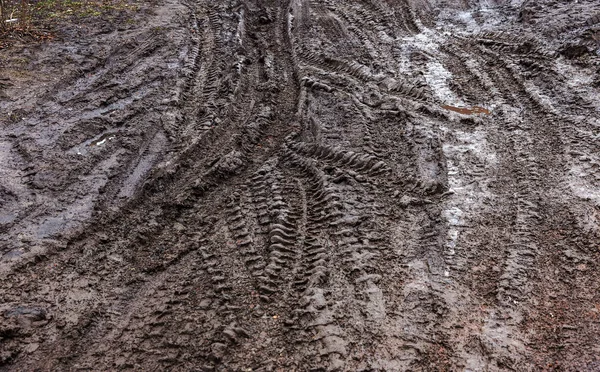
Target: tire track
{"points": [[297, 196]]}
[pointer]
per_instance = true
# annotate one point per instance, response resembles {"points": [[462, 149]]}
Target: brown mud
{"points": [[274, 186], [467, 110]]}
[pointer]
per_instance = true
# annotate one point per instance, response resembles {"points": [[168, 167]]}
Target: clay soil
{"points": [[304, 185]]}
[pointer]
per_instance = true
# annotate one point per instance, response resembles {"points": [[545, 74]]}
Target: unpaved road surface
{"points": [[304, 185]]}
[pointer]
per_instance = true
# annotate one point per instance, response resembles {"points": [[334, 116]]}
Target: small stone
{"points": [[204, 304], [32, 347]]}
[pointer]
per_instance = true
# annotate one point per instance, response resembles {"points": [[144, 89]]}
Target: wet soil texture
{"points": [[249, 185]]}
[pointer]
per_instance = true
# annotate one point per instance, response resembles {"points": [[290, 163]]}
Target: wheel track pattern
{"points": [[313, 313], [298, 222]]}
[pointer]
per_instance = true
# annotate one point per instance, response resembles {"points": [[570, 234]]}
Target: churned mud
{"points": [[296, 185]]}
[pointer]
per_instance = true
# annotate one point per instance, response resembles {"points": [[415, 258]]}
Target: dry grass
{"points": [[33, 19], [15, 15]]}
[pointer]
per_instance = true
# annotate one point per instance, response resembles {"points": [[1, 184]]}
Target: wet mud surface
{"points": [[277, 186]]}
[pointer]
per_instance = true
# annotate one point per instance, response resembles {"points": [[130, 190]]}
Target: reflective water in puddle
{"points": [[102, 139], [83, 148], [467, 110], [11, 254]]}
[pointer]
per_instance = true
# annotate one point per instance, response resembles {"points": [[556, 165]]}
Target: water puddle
{"points": [[99, 140], [7, 217], [15, 253], [467, 111], [437, 77], [102, 139]]}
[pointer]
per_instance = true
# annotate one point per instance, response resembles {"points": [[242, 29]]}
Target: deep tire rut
{"points": [[306, 185]]}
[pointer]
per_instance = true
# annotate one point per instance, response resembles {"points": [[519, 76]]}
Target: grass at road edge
{"points": [[35, 20]]}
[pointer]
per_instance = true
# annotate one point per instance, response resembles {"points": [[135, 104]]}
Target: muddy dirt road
{"points": [[304, 185]]}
